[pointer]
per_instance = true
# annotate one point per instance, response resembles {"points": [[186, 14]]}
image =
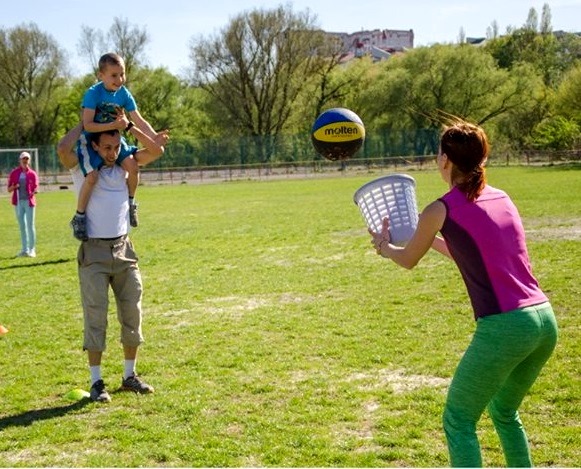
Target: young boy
{"points": [[103, 107]]}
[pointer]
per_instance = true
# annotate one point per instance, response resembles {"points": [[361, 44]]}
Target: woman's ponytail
{"points": [[473, 183], [466, 146]]}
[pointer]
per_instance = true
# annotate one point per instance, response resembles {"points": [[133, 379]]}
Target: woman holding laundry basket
{"points": [[516, 330]]}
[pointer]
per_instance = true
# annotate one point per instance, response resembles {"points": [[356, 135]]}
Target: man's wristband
{"points": [[129, 126]]}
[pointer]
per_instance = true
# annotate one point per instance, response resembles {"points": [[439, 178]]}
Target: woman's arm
{"points": [[12, 182], [440, 245], [429, 223], [35, 182]]}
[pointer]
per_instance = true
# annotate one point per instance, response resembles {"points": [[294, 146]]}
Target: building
{"points": [[379, 44]]}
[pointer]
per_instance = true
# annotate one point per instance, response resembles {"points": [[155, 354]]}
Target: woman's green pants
{"points": [[503, 360]]}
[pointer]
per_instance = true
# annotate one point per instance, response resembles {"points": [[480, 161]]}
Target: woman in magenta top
{"points": [[23, 183], [516, 330]]}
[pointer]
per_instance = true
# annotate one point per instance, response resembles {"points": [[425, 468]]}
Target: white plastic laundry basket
{"points": [[394, 197]]}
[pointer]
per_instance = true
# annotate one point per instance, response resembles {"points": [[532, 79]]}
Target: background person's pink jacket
{"points": [[31, 185]]}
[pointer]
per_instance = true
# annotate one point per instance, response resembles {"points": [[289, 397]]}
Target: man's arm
{"points": [[153, 147], [66, 147]]}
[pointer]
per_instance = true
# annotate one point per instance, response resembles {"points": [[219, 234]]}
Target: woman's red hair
{"points": [[466, 146]]}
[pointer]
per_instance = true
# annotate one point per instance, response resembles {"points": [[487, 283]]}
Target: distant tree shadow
{"points": [[27, 418], [36, 264]]}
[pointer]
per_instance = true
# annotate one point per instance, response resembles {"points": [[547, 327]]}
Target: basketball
{"points": [[337, 134]]}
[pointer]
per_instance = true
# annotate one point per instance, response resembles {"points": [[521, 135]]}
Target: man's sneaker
{"points": [[79, 226], [99, 393], [31, 253], [136, 384], [133, 220], [22, 254]]}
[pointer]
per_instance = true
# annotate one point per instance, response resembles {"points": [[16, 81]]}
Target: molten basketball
{"points": [[338, 134]]}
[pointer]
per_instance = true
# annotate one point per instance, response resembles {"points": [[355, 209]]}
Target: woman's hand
{"points": [[382, 238], [429, 223]]}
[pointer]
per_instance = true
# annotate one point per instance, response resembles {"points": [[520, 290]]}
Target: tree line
{"points": [[254, 88]]}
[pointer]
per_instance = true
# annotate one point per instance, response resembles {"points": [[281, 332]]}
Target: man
{"points": [[107, 258]]}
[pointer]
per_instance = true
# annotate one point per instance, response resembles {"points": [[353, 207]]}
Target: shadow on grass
{"points": [[27, 418], [37, 264]]}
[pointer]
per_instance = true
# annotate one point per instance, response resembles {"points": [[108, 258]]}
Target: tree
{"points": [[492, 30], [129, 42], [329, 86], [516, 126], [91, 46], [126, 40], [70, 103], [32, 77], [532, 23], [545, 26], [417, 90], [557, 133], [169, 103], [568, 54], [550, 54], [157, 94], [459, 80], [547, 53], [255, 69], [567, 100]]}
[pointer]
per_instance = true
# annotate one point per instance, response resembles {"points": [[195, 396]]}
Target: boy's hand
{"points": [[162, 137], [121, 121]]}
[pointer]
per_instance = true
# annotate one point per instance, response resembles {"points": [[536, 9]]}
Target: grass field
{"points": [[275, 336]]}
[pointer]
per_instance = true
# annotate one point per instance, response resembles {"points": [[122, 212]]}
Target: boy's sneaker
{"points": [[136, 384], [99, 393], [133, 220], [79, 226], [31, 253]]}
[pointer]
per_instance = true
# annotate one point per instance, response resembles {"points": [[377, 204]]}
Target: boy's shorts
{"points": [[89, 159]]}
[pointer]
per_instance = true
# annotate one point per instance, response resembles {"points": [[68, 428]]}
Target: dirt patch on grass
{"points": [[398, 380], [237, 306], [553, 228]]}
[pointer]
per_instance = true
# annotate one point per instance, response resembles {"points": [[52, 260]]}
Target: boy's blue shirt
{"points": [[104, 102]]}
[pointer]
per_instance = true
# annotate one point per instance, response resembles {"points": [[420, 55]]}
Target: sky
{"points": [[172, 24]]}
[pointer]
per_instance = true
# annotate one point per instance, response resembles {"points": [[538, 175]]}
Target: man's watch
{"points": [[129, 126]]}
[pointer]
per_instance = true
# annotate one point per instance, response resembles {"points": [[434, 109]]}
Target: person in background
{"points": [[516, 330], [23, 183]]}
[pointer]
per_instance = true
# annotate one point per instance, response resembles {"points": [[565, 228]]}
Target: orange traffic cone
{"points": [[3, 330]]}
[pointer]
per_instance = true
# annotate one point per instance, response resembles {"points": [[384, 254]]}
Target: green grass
{"points": [[275, 336]]}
